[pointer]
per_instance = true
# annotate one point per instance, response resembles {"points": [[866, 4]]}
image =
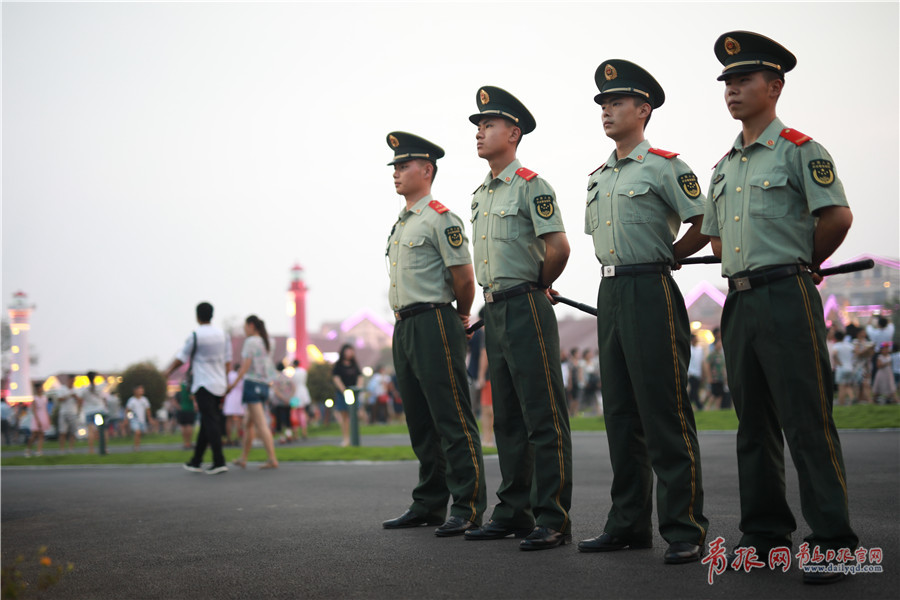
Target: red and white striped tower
{"points": [[20, 372], [297, 310]]}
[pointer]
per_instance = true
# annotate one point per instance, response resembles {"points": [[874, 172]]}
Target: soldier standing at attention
{"points": [[520, 249], [636, 203], [776, 211], [430, 266]]}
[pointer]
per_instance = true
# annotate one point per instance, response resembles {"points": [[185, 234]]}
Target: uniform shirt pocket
{"points": [[414, 253], [504, 224], [717, 194], [769, 195], [592, 211], [635, 202]]}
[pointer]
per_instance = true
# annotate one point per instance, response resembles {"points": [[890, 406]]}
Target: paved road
{"points": [[312, 530]]}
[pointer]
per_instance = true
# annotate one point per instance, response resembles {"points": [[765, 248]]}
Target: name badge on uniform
{"points": [[454, 236]]}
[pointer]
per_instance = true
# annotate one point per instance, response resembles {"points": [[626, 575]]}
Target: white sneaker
{"points": [[192, 468], [217, 470]]}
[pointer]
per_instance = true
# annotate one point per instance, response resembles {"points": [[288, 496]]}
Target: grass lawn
{"points": [[846, 417]]}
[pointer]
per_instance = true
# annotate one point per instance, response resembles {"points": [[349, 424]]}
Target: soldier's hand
{"points": [[464, 319], [550, 293]]}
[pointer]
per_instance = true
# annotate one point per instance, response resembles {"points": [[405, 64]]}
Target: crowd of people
{"points": [[865, 363]]}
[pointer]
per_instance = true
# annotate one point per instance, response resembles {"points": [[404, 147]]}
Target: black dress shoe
{"points": [[410, 519], [609, 543], [542, 538], [496, 531], [454, 526], [681, 552]]}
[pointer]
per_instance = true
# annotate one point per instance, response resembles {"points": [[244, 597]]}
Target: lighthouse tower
{"points": [[297, 310], [19, 375]]}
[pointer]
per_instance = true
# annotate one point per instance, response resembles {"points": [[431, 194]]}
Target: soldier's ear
{"points": [[775, 87]]}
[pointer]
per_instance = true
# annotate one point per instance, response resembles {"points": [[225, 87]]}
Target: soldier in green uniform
{"points": [[636, 203], [520, 249], [430, 266], [776, 211]]}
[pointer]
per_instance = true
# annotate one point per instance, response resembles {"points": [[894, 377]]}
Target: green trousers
{"points": [[430, 361], [531, 422], [779, 374], [644, 341]]}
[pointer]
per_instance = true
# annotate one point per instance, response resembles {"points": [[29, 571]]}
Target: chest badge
{"points": [[689, 185], [822, 171], [544, 206], [454, 236]]}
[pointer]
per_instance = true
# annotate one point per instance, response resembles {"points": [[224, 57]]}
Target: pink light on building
{"points": [[297, 309], [19, 326]]}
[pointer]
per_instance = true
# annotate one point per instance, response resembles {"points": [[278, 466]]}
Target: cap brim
{"points": [[746, 69]]}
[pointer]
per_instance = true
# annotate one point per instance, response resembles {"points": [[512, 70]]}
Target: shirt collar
{"points": [[418, 207], [506, 176], [767, 139], [638, 154]]}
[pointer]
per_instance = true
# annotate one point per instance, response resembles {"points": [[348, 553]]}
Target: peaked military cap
{"points": [[407, 146], [493, 101], [745, 52], [616, 77]]}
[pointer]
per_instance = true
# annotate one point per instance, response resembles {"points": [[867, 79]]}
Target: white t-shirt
{"points": [[138, 406], [843, 353], [93, 401], [261, 369], [300, 389], [213, 351], [68, 405], [695, 367]]}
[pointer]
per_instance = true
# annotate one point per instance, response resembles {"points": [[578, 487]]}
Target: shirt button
{"points": [[410, 243], [766, 183], [490, 285], [738, 249], [502, 212], [396, 242], [402, 222], [483, 237], [611, 251], [738, 189], [609, 223], [736, 218], [607, 194], [743, 159], [490, 191], [631, 192], [485, 261], [393, 285], [485, 214], [393, 264]]}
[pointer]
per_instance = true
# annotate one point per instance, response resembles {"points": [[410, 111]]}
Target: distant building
{"points": [[852, 296]]}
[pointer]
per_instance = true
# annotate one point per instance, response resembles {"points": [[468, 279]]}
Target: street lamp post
{"points": [[350, 399]]}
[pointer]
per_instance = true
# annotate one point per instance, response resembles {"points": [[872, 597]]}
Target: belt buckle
{"points": [[397, 316], [609, 271], [742, 284], [489, 297]]}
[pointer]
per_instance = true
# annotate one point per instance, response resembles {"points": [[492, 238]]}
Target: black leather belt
{"points": [[755, 280], [617, 270], [415, 309], [522, 288]]}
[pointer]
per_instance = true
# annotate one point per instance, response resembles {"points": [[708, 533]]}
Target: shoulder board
{"points": [[526, 174], [721, 159], [597, 169], [438, 207], [663, 153], [476, 190], [794, 136]]}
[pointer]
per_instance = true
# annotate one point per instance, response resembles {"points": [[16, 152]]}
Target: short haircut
{"points": [[204, 312], [638, 101]]}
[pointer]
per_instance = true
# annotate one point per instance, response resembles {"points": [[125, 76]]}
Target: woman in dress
{"points": [[40, 420], [884, 388], [257, 373], [345, 374]]}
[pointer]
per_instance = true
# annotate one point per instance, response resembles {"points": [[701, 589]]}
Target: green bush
{"points": [[145, 374]]}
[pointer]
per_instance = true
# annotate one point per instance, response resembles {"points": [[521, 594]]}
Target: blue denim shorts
{"points": [[254, 392]]}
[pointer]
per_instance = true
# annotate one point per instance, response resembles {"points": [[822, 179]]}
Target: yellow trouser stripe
{"points": [[822, 399], [472, 454], [679, 400], [559, 449]]}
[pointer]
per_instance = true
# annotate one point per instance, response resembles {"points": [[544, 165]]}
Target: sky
{"points": [[155, 155]]}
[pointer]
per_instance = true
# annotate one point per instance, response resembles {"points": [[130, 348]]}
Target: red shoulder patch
{"points": [[526, 174], [721, 159], [438, 207], [663, 153], [597, 169], [794, 136]]}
